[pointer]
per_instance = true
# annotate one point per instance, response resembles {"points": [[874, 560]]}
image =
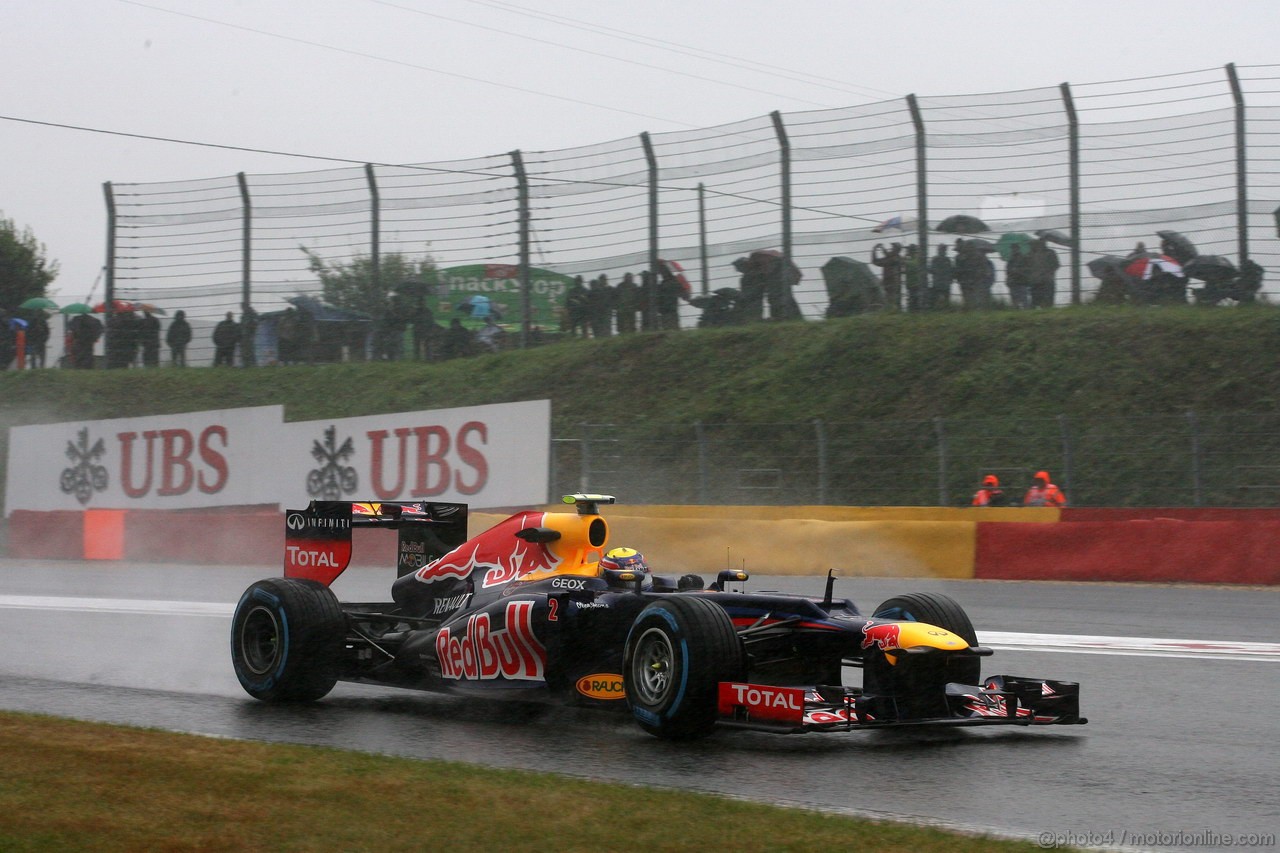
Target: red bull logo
{"points": [[484, 653], [525, 557], [455, 564], [883, 635]]}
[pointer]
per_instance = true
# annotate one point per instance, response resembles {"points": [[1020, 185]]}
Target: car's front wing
{"points": [[1000, 700]]}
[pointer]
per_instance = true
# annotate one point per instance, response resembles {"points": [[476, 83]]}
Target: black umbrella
{"points": [[980, 244], [1062, 238], [1211, 268], [962, 223], [1108, 265], [1177, 246]]}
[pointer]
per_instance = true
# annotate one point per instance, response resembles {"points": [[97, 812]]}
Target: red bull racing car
{"points": [[540, 608]]}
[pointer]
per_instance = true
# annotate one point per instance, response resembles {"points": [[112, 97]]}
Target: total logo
{"points": [[298, 557], [762, 702], [604, 685]]}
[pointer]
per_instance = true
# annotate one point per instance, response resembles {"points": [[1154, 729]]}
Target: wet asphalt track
{"points": [[1176, 745]]}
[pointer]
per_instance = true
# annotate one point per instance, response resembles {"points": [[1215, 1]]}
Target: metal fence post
{"points": [[246, 244], [1196, 482], [584, 476], [375, 226], [522, 220], [652, 160], [1242, 177], [939, 429], [922, 192], [820, 437], [784, 157], [110, 277], [702, 239], [1073, 166]]}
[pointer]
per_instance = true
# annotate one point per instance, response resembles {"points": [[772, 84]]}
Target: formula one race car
{"points": [[539, 608]]}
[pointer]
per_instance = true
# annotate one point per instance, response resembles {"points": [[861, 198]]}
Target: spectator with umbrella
{"points": [[37, 328], [1042, 271]]}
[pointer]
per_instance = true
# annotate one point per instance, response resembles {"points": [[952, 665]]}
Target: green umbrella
{"points": [[76, 308], [1007, 241], [37, 303]]}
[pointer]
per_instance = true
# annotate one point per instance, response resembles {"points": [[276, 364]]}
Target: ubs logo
{"points": [[85, 476]]}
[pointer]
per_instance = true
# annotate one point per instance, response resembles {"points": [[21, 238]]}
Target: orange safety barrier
{"points": [[104, 534]]}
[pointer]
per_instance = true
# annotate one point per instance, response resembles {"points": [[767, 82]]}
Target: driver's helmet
{"points": [[624, 560]]}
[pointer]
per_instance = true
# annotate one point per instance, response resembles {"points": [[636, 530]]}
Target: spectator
{"points": [[669, 293], [913, 276], [781, 277], [648, 301], [8, 339], [990, 493], [149, 339], [457, 340], [600, 299], [85, 331], [575, 308], [626, 299], [890, 262], [1042, 270], [941, 274], [750, 291], [248, 337], [491, 336], [122, 339], [225, 337], [1043, 492], [1017, 276], [718, 308], [37, 338], [970, 274], [178, 336]]}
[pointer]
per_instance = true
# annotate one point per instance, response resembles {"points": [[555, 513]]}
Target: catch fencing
{"points": [[1106, 163], [1190, 460]]}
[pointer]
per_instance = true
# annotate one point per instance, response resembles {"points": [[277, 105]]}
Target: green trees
{"points": [[354, 286], [24, 269]]}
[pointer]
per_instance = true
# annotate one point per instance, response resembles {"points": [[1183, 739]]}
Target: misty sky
{"points": [[419, 82]]}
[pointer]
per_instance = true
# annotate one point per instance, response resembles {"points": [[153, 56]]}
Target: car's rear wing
{"points": [[318, 538]]}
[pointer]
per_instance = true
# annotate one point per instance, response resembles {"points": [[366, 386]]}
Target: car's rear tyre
{"points": [[934, 608], [678, 651], [287, 637]]}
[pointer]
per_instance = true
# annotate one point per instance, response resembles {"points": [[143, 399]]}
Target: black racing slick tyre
{"points": [[936, 609], [287, 638], [678, 651]]}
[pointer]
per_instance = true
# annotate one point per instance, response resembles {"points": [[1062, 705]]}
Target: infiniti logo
{"points": [[295, 521]]}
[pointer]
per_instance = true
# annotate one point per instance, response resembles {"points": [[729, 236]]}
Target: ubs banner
{"points": [[486, 456]]}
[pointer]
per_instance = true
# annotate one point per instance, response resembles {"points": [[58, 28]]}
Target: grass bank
{"points": [[1002, 376], [1078, 362], [77, 786]]}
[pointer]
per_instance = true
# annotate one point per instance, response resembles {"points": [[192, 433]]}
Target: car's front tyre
{"points": [[678, 651], [287, 637]]}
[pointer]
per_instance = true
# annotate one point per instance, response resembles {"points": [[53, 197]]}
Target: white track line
{"points": [[1000, 640]]}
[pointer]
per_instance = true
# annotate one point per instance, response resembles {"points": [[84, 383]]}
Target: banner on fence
{"points": [[487, 456], [477, 291]]}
